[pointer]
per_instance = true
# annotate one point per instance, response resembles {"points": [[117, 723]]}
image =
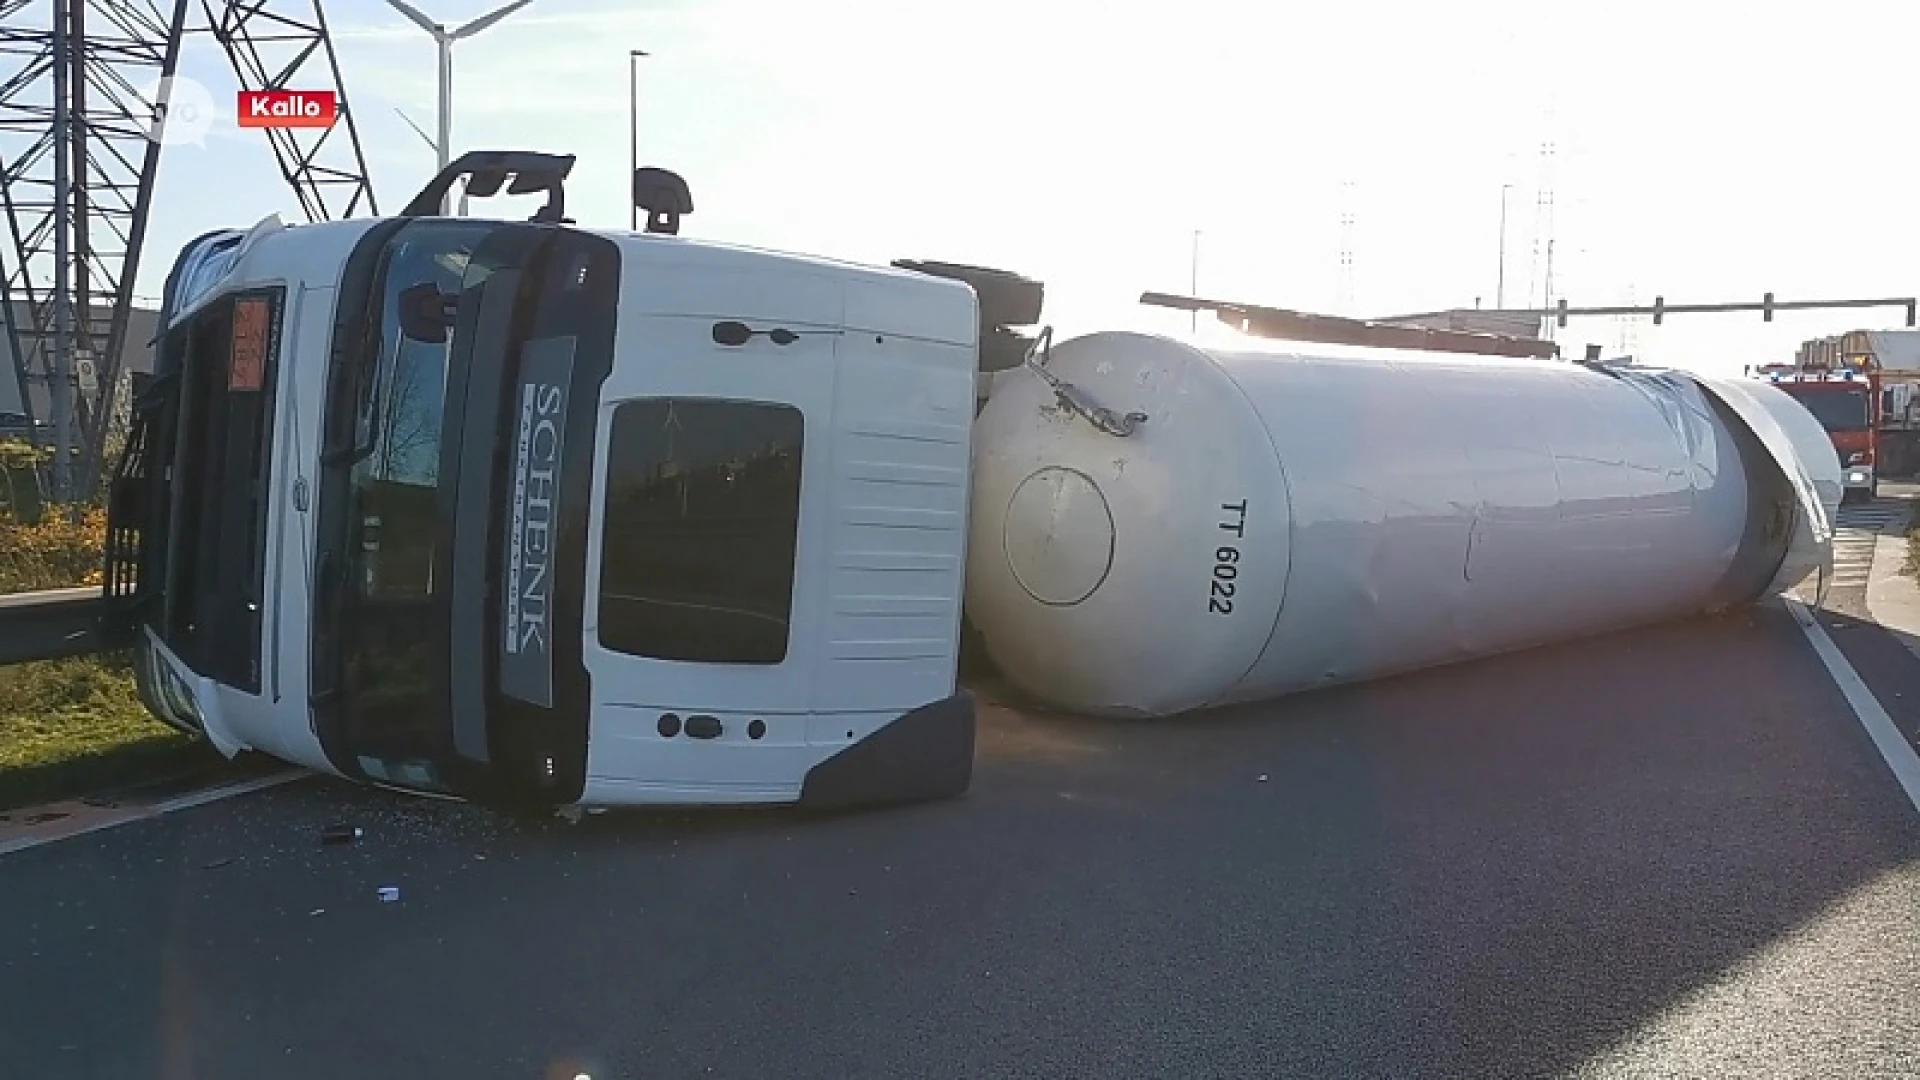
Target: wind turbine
{"points": [[428, 139], [443, 39]]}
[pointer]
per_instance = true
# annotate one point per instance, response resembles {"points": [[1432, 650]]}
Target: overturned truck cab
{"points": [[535, 515]]}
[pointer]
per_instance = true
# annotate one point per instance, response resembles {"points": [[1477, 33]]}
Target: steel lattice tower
{"points": [[1543, 230], [77, 167], [273, 48], [1344, 303], [84, 90]]}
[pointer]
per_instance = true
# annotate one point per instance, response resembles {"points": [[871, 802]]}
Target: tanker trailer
{"points": [[1158, 527]]}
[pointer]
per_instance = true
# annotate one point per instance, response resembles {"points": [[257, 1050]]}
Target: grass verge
{"points": [[1913, 551], [76, 727], [69, 727]]}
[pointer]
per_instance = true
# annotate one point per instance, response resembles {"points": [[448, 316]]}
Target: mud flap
{"points": [[926, 754]]}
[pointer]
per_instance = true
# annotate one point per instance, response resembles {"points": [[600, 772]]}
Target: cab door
{"points": [[711, 506]]}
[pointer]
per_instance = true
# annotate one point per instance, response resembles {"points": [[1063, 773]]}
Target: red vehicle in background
{"points": [[1847, 404]]}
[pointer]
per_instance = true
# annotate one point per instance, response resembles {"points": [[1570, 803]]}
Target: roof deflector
{"points": [[487, 171]]}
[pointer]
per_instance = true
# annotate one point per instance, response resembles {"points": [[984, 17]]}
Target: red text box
{"points": [[288, 108]]}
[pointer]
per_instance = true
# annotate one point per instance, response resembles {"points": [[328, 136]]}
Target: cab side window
{"points": [[701, 530]]}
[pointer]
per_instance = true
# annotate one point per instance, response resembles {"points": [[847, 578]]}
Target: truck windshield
{"points": [[435, 500], [1837, 410], [393, 531]]}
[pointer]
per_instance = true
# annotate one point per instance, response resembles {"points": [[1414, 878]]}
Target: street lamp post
{"points": [[443, 39], [1193, 283], [633, 133], [1500, 286]]}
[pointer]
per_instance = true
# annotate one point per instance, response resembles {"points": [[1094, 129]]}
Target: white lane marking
{"points": [[214, 794], [1857, 531], [1893, 746], [27, 843], [148, 813]]}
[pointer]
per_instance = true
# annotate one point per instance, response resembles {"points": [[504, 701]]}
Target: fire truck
{"points": [[1892, 358], [1846, 401]]}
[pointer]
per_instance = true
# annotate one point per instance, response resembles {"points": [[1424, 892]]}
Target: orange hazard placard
{"points": [[247, 363]]}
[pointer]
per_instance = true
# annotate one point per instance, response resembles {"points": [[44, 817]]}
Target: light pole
{"points": [[1500, 287], [1193, 283], [633, 134], [443, 39]]}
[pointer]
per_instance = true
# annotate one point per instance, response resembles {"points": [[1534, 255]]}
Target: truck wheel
{"points": [[1006, 298]]}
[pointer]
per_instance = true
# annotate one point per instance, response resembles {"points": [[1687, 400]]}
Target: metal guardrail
{"points": [[52, 625]]}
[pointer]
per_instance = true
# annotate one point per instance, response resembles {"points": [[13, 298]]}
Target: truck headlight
{"points": [[1859, 458], [178, 694]]}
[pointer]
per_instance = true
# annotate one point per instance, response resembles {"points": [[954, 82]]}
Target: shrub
{"points": [[59, 552], [65, 725], [19, 482]]}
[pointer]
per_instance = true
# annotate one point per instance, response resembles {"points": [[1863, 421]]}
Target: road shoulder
{"points": [[1893, 594]]}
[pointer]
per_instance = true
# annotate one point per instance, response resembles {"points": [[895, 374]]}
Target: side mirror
{"points": [[664, 196], [426, 312]]}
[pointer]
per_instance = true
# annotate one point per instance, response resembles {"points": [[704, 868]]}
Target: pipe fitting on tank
{"points": [[1072, 398]]}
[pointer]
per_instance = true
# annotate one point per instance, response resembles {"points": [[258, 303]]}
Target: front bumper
{"points": [[166, 694]]}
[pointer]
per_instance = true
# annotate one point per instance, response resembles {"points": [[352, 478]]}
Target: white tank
{"points": [[1281, 521]]}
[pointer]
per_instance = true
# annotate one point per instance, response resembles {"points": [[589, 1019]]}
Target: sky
{"points": [[1701, 150]]}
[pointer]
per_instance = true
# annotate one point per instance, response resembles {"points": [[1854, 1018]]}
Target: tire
{"points": [[1006, 298]]}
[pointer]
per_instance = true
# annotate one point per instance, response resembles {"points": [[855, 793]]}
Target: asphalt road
{"points": [[1666, 854]]}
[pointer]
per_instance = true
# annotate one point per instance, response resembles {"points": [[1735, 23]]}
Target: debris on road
{"points": [[389, 893], [341, 834]]}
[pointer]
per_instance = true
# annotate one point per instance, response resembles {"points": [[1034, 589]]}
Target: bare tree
{"points": [[412, 415]]}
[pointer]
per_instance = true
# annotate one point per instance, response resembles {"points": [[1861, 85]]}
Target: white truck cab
{"points": [[526, 513]]}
